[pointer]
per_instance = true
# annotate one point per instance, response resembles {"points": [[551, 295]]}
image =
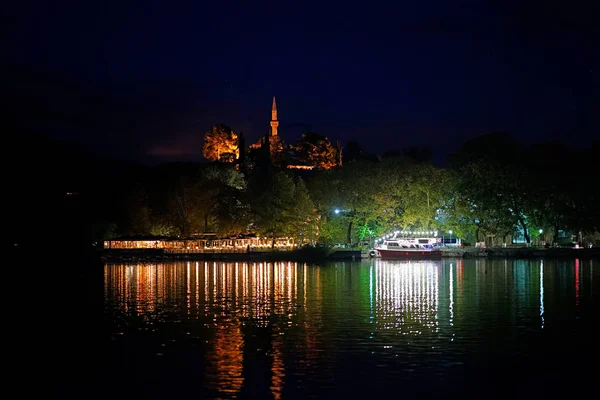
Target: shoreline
{"points": [[523, 252], [314, 255]]}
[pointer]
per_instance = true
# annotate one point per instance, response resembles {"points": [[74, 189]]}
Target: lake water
{"points": [[385, 329]]}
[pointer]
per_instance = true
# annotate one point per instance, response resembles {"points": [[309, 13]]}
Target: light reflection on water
{"points": [[283, 330]]}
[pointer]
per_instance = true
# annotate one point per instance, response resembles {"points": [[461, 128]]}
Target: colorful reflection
{"points": [[245, 309], [406, 295], [542, 293], [577, 284], [264, 325], [227, 355]]}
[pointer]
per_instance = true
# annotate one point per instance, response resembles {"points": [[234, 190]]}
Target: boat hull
{"points": [[410, 253]]}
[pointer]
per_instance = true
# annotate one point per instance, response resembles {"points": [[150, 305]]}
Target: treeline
{"points": [[224, 145], [493, 187]]}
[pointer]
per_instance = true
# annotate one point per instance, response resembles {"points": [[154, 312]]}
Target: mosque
{"points": [[279, 153]]}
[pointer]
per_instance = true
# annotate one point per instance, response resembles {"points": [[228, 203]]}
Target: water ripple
{"points": [[292, 330]]}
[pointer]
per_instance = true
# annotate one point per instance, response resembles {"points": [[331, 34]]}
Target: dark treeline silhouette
{"points": [[547, 186], [494, 190]]}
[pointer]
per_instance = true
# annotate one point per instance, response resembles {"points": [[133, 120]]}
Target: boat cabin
{"points": [[411, 243]]}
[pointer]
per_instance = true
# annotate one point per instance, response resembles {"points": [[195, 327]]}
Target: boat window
{"points": [[392, 244], [423, 240]]}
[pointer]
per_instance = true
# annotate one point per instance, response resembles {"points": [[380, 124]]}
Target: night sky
{"points": [[145, 80]]}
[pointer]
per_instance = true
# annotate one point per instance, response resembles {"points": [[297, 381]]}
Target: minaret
{"points": [[274, 122]]}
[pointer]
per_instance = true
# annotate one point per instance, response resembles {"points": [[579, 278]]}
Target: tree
{"points": [[304, 223], [314, 149], [221, 144], [351, 189], [268, 151], [282, 207], [354, 152], [457, 212], [233, 212], [278, 151], [199, 198], [224, 204], [161, 226], [422, 196], [490, 199], [561, 193], [185, 206], [138, 212], [494, 182], [325, 190]]}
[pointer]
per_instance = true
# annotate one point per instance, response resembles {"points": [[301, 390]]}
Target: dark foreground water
{"points": [[380, 329]]}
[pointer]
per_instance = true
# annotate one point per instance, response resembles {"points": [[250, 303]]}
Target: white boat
{"points": [[410, 248]]}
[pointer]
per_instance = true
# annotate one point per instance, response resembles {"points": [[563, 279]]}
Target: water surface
{"points": [[469, 328]]}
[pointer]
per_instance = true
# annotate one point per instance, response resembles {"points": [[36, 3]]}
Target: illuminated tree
{"points": [[221, 144], [375, 196], [352, 190], [317, 150], [421, 196]]}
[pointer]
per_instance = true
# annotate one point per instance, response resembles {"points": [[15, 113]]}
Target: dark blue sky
{"points": [[145, 80]]}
